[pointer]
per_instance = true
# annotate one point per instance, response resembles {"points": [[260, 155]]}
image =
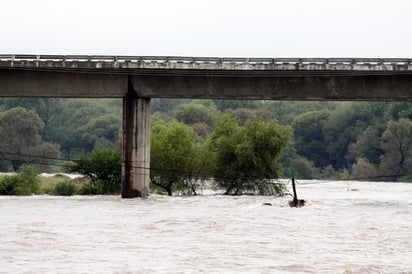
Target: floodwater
{"points": [[346, 227]]}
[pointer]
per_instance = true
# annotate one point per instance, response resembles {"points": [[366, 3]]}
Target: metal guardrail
{"points": [[211, 60]]}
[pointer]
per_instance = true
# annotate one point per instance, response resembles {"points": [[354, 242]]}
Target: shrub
{"points": [[90, 188], [65, 188], [25, 182], [29, 174], [11, 185], [103, 168]]}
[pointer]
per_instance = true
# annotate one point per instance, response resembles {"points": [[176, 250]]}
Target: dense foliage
{"points": [[20, 139], [246, 158], [103, 168], [358, 140], [178, 162]]}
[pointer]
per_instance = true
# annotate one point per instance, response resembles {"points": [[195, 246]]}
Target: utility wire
{"points": [[35, 156]]}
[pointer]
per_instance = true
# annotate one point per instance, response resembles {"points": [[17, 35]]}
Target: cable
{"points": [[35, 156], [31, 162]]}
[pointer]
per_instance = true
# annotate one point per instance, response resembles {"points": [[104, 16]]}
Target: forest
{"points": [[309, 140]]}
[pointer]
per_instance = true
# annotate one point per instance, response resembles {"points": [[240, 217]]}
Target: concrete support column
{"points": [[136, 147]]}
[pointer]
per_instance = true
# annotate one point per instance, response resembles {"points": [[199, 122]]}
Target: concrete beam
{"points": [[28, 83], [369, 87], [270, 85]]}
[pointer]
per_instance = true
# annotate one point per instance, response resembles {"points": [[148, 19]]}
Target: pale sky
{"points": [[241, 28]]}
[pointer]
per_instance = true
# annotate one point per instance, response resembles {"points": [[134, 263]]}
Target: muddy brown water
{"points": [[345, 227]]}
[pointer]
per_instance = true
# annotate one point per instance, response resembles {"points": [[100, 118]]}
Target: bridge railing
{"points": [[190, 60]]}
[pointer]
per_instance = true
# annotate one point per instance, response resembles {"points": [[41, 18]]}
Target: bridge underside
{"points": [[137, 87], [269, 86], [382, 88]]}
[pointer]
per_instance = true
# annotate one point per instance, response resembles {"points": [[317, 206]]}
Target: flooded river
{"points": [[354, 227]]}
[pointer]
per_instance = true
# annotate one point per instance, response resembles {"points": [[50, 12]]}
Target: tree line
{"points": [[308, 140]]}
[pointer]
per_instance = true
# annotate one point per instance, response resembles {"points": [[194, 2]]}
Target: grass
{"points": [[48, 185], [56, 185]]}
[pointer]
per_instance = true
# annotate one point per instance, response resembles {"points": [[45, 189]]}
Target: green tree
{"points": [[286, 111], [367, 146], [103, 168], [193, 113], [198, 172], [364, 170], [21, 142], [304, 169], [308, 138], [247, 157], [397, 110], [48, 110], [100, 132], [200, 117], [242, 115], [82, 118], [223, 105], [172, 154], [342, 128], [166, 106], [397, 146]]}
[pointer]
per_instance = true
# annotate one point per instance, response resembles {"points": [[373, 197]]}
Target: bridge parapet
{"points": [[152, 64]]}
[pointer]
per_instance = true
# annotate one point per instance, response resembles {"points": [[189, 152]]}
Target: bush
{"points": [[25, 182], [65, 188], [29, 175], [90, 188], [10, 185], [103, 168]]}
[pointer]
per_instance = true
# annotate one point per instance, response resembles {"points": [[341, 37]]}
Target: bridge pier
{"points": [[136, 147]]}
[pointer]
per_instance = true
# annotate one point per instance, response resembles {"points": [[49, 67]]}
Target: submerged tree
{"points": [[177, 162], [248, 157]]}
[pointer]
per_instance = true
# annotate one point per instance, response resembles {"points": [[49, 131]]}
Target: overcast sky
{"points": [[243, 28]]}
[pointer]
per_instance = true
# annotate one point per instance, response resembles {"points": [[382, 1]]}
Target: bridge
{"points": [[136, 79]]}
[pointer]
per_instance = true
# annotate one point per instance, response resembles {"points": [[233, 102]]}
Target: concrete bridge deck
{"points": [[388, 79]]}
